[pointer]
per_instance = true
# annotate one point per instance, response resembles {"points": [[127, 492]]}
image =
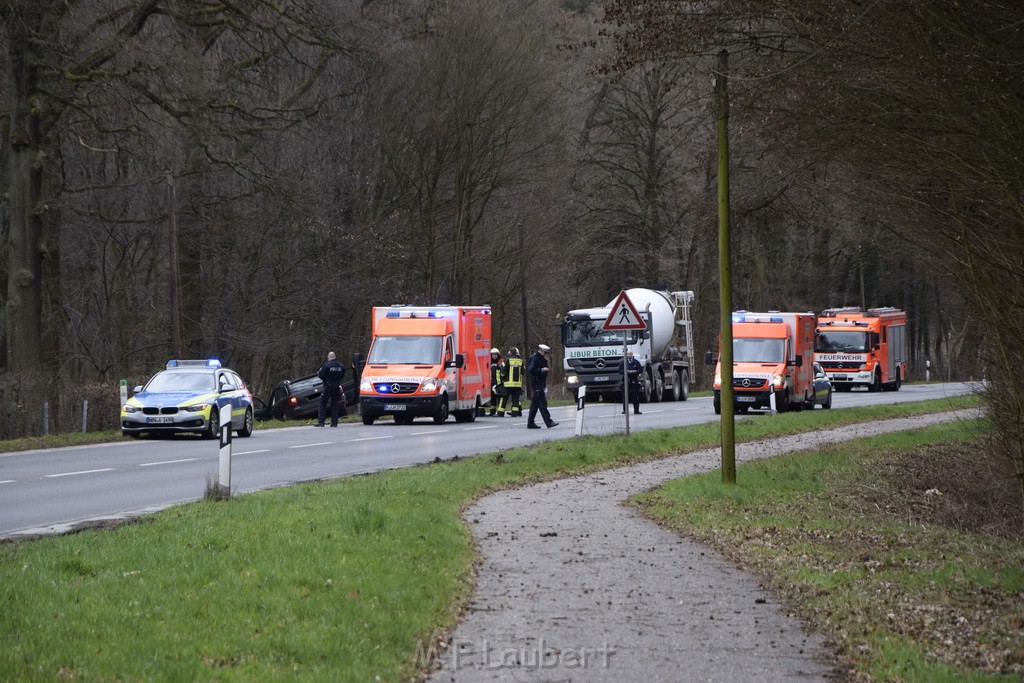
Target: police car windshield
{"points": [[839, 342], [758, 350], [590, 333], [182, 381], [405, 351]]}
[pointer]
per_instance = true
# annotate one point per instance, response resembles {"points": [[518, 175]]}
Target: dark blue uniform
{"points": [[634, 372], [537, 369], [332, 372]]}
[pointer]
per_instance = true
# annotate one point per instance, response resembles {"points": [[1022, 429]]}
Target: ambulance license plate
{"points": [[395, 406], [746, 399], [159, 420], [841, 378], [601, 378]]}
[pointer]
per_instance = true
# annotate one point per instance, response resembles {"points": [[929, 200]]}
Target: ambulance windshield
{"points": [[589, 333], [405, 351], [841, 342], [746, 350]]}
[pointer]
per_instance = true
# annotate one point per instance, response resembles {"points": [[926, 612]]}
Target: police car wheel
{"points": [[246, 429], [213, 429]]}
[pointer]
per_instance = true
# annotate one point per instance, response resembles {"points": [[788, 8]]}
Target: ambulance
{"points": [[862, 348], [772, 362], [427, 361]]}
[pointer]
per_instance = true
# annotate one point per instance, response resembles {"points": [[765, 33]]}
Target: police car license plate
{"points": [[394, 406], [159, 420], [601, 378], [746, 399]]}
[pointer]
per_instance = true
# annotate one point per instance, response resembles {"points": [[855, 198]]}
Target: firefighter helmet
{"points": [[495, 351], [514, 351]]}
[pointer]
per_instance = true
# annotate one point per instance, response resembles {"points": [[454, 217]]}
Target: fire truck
{"points": [[862, 348], [427, 361]]}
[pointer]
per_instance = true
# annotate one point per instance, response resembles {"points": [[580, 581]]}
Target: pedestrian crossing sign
{"points": [[623, 315]]}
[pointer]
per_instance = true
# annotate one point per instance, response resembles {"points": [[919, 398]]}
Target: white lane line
{"points": [[262, 450], [167, 462], [7, 481], [72, 474], [371, 438], [469, 429], [433, 431], [310, 445]]}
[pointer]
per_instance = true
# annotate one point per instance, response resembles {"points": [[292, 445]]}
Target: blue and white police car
{"points": [[188, 396]]}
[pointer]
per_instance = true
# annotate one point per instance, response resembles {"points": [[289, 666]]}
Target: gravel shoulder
{"points": [[575, 586]]}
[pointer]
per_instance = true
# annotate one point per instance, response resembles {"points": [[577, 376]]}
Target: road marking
{"points": [[469, 429], [166, 462], [310, 445], [262, 450], [7, 481], [72, 474], [371, 438], [433, 431]]}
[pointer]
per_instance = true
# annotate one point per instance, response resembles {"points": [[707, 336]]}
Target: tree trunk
{"points": [[25, 206]]}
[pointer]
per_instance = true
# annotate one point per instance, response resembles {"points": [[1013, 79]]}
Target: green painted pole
{"points": [[725, 271]]}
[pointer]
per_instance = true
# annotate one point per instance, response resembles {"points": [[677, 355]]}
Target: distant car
{"points": [[299, 399], [186, 397], [822, 388]]}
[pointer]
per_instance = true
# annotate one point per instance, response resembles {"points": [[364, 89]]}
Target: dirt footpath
{"points": [[574, 586]]}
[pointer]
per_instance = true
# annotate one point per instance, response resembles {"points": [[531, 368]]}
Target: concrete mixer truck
{"points": [[593, 356]]}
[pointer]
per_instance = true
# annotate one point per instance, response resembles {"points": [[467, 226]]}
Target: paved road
{"points": [[51, 491]]}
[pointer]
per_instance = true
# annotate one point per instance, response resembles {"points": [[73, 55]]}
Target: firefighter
{"points": [[497, 371], [512, 384]]}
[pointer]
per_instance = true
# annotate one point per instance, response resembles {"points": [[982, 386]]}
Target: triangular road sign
{"points": [[624, 315]]}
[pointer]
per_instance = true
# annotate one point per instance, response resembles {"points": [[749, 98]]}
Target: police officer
{"points": [[634, 371], [331, 373], [497, 372], [513, 384], [537, 368]]}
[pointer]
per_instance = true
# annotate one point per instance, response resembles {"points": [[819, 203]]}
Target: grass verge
{"points": [[353, 579], [867, 555]]}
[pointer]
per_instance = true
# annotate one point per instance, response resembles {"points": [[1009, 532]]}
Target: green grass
{"points": [[352, 579], [903, 600]]}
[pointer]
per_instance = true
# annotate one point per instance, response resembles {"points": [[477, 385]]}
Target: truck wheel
{"points": [[781, 402], [442, 412], [684, 385], [876, 385], [658, 387], [645, 393], [718, 403], [899, 380], [676, 391]]}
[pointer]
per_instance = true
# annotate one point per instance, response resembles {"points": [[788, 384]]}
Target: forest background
{"points": [[271, 170]]}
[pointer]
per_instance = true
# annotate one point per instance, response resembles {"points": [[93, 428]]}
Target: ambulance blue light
{"points": [[393, 314], [776, 319]]}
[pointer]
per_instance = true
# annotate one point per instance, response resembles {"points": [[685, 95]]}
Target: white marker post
{"points": [[224, 484], [581, 402]]}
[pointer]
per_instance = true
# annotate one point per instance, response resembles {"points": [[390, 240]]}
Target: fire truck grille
{"points": [[847, 365], [748, 383]]}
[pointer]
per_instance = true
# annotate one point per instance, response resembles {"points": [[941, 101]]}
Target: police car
{"points": [[187, 396]]}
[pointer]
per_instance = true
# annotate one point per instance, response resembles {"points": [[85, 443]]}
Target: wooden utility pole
{"points": [[725, 271], [172, 268]]}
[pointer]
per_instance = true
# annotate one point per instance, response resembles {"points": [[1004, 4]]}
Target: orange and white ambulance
{"points": [[771, 355], [862, 348], [427, 361]]}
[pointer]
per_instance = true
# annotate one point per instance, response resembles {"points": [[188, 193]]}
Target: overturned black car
{"points": [[299, 399]]}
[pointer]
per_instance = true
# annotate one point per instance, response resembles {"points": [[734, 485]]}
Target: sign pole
{"points": [[224, 485], [625, 382], [581, 403]]}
